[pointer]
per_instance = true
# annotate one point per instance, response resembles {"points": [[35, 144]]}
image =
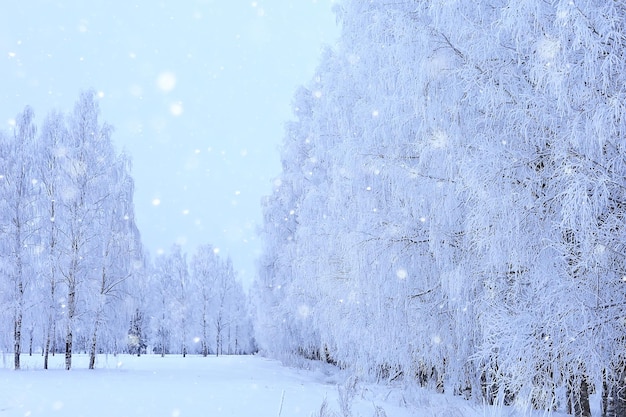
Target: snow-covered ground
{"points": [[242, 386]]}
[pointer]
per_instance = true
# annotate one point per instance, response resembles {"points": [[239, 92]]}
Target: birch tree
{"points": [[53, 141], [21, 192], [453, 185], [204, 265], [85, 174], [119, 250]]}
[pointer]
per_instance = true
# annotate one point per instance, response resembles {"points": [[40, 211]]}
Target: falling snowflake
{"points": [[176, 108], [166, 81], [304, 311]]}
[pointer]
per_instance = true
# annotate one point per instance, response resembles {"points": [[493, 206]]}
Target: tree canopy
{"points": [[451, 204]]}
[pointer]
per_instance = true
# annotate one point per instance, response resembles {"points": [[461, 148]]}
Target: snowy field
{"points": [[243, 386]]}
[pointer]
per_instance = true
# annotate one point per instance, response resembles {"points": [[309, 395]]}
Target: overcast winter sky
{"points": [[198, 92]]}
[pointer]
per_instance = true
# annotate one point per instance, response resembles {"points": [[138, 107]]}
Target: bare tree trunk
{"points": [[94, 338], [17, 333], [51, 330], [229, 348], [218, 338], [92, 350], [54, 338], [68, 348], [614, 393], [19, 306], [236, 339], [31, 332], [184, 338], [50, 333], [71, 311], [578, 398], [205, 343], [46, 352]]}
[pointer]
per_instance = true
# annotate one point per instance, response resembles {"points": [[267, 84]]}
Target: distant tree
{"points": [[177, 271], [119, 249], [204, 265], [137, 342], [163, 290]]}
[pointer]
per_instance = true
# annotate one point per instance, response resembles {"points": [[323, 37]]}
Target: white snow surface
{"points": [[174, 386]]}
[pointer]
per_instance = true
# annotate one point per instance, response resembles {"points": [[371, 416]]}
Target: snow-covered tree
{"points": [[87, 201], [137, 340], [450, 202], [204, 265], [119, 251], [20, 192], [52, 148]]}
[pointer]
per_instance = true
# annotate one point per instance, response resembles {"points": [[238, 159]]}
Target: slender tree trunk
{"points": [[31, 332], [93, 349], [17, 333], [19, 306], [229, 348], [71, 311], [68, 348], [99, 313], [614, 393], [17, 330], [46, 352], [51, 328], [578, 398], [184, 338], [218, 338], [54, 338], [50, 333], [205, 342], [236, 339]]}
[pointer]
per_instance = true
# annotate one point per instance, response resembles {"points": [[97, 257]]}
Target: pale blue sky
{"points": [[197, 90]]}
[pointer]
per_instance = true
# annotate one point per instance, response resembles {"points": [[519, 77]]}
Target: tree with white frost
{"points": [[119, 250], [450, 204], [162, 292], [19, 234], [204, 265], [85, 173], [52, 147]]}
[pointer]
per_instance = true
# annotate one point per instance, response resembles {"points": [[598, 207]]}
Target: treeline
{"points": [[73, 274], [451, 208]]}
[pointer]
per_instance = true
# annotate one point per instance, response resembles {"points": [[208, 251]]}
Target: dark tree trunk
{"points": [[30, 341], [68, 349], [17, 334], [578, 398], [19, 309], [205, 338], [92, 350], [46, 353], [614, 393], [71, 310]]}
